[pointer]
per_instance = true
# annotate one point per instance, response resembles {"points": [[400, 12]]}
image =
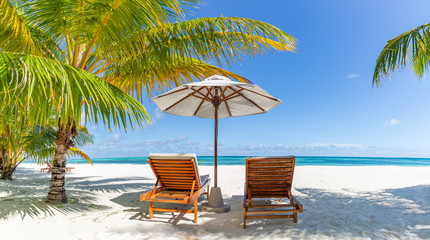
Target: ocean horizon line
{"points": [[300, 161], [297, 156]]}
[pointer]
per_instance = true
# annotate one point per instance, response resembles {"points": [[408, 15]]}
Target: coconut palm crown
{"points": [[138, 45]]}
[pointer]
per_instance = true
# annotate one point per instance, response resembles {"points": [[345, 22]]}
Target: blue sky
{"points": [[330, 107]]}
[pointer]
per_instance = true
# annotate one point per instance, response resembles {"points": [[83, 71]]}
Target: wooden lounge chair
{"points": [[269, 177], [178, 181], [49, 168]]}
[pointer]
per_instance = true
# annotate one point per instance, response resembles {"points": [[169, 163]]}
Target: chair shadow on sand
{"points": [[393, 213], [25, 195], [141, 209]]}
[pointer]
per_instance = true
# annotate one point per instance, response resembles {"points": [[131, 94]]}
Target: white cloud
{"points": [[314, 149], [392, 122], [178, 139], [158, 114], [122, 148], [116, 137], [338, 145], [112, 143], [178, 144], [353, 75]]}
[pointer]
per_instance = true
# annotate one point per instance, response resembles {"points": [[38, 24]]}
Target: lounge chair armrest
{"points": [[206, 183], [297, 204], [197, 194], [147, 195]]}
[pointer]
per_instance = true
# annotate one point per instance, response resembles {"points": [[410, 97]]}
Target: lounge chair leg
{"points": [[207, 194], [151, 215], [195, 211], [244, 218], [295, 217]]}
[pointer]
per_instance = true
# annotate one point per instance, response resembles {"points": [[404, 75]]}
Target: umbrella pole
{"points": [[215, 202], [216, 147]]}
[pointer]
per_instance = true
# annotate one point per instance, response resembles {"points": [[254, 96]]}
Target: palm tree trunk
{"points": [[2, 157], [8, 172], [57, 190]]}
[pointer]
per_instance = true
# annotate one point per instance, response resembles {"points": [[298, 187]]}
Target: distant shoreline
{"points": [[300, 161]]}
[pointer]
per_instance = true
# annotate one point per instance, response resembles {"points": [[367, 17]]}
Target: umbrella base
{"points": [[215, 202]]}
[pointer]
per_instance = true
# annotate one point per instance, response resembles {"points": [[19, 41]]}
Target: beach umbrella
{"points": [[214, 98]]}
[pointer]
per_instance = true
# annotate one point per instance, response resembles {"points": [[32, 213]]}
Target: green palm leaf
{"points": [[413, 46], [222, 39], [154, 76], [26, 80], [15, 34], [155, 58], [39, 143], [75, 152]]}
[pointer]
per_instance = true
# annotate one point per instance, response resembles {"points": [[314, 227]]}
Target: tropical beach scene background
{"points": [[78, 119]]}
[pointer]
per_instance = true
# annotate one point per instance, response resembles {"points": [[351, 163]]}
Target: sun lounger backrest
{"points": [[269, 176], [175, 171]]}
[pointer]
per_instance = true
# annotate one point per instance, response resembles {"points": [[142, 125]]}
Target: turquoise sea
{"points": [[300, 161]]}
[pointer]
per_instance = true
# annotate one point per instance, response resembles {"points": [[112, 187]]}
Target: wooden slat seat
{"points": [[270, 177], [49, 168], [178, 181]]}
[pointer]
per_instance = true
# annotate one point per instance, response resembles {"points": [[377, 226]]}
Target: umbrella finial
{"points": [[218, 78]]}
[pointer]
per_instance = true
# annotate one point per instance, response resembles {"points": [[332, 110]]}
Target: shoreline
{"points": [[300, 161], [339, 202]]}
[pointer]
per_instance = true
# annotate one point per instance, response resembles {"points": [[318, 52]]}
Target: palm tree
{"points": [[413, 45], [32, 87], [140, 46], [36, 143]]}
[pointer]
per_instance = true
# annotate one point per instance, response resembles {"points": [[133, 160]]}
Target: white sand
{"points": [[339, 202]]}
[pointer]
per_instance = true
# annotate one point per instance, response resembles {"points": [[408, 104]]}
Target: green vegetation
{"points": [[20, 142], [413, 45], [84, 57]]}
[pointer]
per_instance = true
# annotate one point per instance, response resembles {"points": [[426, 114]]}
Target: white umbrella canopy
{"points": [[200, 98], [216, 97]]}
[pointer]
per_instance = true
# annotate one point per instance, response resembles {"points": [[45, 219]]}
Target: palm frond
{"points": [[15, 34], [152, 76], [221, 39], [59, 17], [44, 85], [413, 46], [83, 138], [42, 155], [38, 142], [75, 152], [119, 18]]}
